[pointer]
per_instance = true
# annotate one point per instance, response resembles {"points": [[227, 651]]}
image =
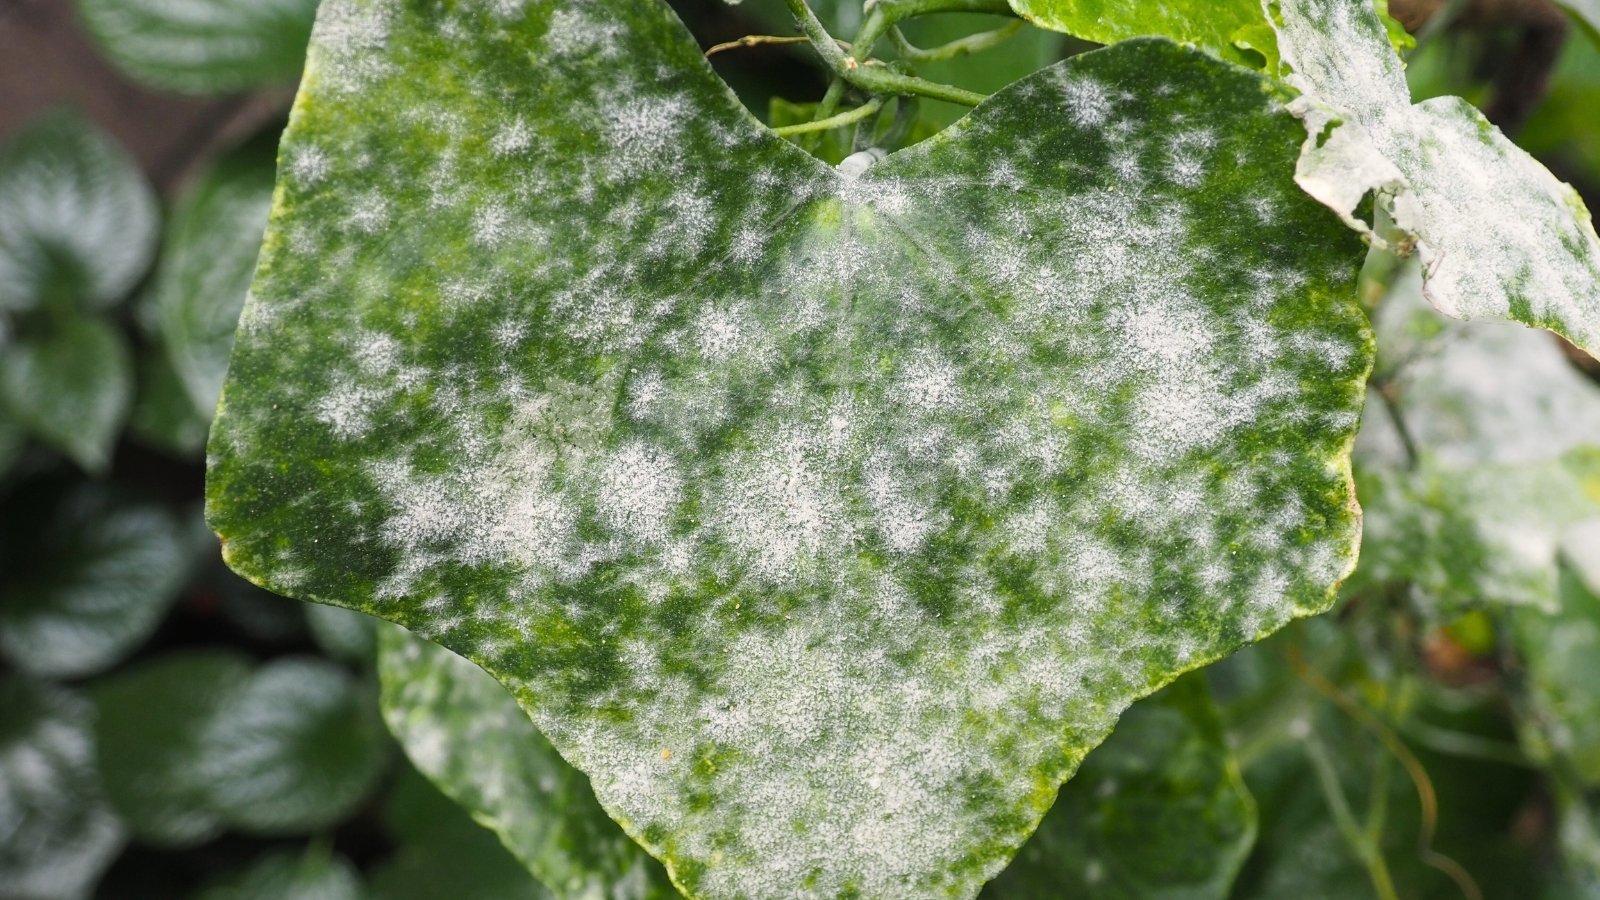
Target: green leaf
{"points": [[312, 874], [1493, 468], [87, 583], [77, 219], [206, 263], [296, 750], [1158, 810], [343, 633], [163, 415], [56, 833], [71, 387], [1229, 28], [825, 522], [202, 46], [1497, 234], [465, 732], [151, 724]]}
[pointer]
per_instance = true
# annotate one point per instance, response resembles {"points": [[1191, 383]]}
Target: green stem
{"points": [[972, 43], [872, 79], [849, 117]]}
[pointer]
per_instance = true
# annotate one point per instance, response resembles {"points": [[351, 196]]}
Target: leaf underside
{"points": [[825, 523]]}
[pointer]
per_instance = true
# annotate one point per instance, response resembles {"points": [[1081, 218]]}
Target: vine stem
{"points": [[849, 67], [1344, 817], [1426, 797], [848, 117], [756, 40], [972, 43]]}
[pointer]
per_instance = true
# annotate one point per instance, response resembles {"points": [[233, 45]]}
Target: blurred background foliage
{"points": [[167, 730]]}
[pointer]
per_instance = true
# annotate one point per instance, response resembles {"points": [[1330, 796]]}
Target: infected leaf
{"points": [[1497, 234], [825, 522]]}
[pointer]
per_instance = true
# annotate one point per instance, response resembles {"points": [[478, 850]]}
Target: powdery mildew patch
{"points": [[1497, 234], [825, 519]]}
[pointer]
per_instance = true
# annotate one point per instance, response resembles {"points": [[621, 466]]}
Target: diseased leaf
{"points": [[77, 220], [71, 386], [151, 722], [1497, 234], [206, 263], [56, 834], [202, 46], [1506, 437], [311, 874], [87, 585], [465, 732], [295, 750], [825, 522], [1157, 811]]}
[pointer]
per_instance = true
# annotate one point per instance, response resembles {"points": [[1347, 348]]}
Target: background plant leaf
{"points": [[163, 415], [465, 732], [208, 256], [77, 219], [56, 833], [312, 874], [151, 722], [86, 581], [202, 46], [789, 504], [297, 748], [71, 386]]}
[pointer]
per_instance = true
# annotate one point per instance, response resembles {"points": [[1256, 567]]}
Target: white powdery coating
{"points": [[782, 511], [639, 489], [492, 507], [1499, 236], [782, 384]]}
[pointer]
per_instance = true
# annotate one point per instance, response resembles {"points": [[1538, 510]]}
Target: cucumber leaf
{"points": [[825, 521]]}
